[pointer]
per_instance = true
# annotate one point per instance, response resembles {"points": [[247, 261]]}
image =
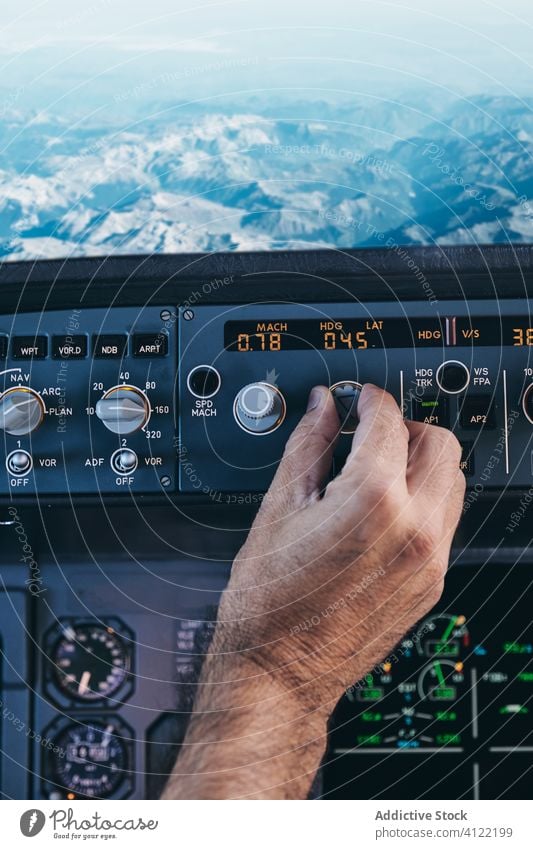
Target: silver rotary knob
{"points": [[123, 409], [259, 408], [21, 411]]}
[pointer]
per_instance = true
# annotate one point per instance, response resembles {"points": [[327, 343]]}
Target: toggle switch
{"points": [[19, 463]]}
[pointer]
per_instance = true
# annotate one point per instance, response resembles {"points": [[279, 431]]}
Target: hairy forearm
{"points": [[248, 738]]}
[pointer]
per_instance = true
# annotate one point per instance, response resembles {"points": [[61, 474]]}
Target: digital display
{"points": [[362, 334], [332, 334]]}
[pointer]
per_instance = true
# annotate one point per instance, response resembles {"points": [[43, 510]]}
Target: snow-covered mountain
{"points": [[268, 178]]}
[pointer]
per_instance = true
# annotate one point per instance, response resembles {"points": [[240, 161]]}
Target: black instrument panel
{"points": [[156, 401]]}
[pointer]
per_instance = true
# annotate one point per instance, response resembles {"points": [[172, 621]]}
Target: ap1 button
{"points": [[433, 411], [346, 396]]}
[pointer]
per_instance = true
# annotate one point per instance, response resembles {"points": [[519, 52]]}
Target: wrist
{"points": [[248, 737]]}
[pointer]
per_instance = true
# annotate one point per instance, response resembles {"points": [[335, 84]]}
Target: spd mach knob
{"points": [[123, 409], [21, 411], [259, 408]]}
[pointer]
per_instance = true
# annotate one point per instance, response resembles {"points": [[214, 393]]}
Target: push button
{"points": [[477, 411], [259, 408], [29, 347], [3, 347], [150, 344], [109, 346], [203, 381], [69, 347], [346, 396], [433, 411], [467, 458]]}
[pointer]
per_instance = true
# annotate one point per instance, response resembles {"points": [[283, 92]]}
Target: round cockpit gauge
{"points": [[444, 635]]}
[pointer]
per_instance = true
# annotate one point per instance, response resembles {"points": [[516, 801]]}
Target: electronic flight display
{"points": [[330, 334], [460, 687]]}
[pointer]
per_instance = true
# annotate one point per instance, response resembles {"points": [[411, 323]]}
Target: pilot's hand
{"points": [[324, 587]]}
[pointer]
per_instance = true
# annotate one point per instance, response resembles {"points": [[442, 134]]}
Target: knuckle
{"points": [[446, 443]]}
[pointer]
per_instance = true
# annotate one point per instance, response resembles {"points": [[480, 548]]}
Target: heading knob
{"points": [[21, 411], [259, 408], [123, 409]]}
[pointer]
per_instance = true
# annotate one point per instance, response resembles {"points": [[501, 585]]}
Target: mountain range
{"points": [[266, 176]]}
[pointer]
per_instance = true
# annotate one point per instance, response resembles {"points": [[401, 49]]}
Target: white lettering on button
{"points": [[68, 350], [203, 407]]}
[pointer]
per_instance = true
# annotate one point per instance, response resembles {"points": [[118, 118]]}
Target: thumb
{"points": [[308, 454]]}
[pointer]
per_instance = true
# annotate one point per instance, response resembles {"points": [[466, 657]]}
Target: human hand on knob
{"points": [[325, 586]]}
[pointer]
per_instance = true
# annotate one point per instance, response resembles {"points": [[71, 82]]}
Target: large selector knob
{"points": [[21, 411], [259, 408], [123, 409]]}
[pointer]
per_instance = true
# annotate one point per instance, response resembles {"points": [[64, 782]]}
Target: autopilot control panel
{"points": [[246, 371]]}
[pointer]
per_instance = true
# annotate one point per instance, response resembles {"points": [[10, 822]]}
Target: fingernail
{"points": [[315, 398]]}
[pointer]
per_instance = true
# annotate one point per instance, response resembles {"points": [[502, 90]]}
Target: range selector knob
{"points": [[21, 411], [259, 408], [123, 409]]}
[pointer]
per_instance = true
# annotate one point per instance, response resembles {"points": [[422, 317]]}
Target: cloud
{"points": [[130, 44]]}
